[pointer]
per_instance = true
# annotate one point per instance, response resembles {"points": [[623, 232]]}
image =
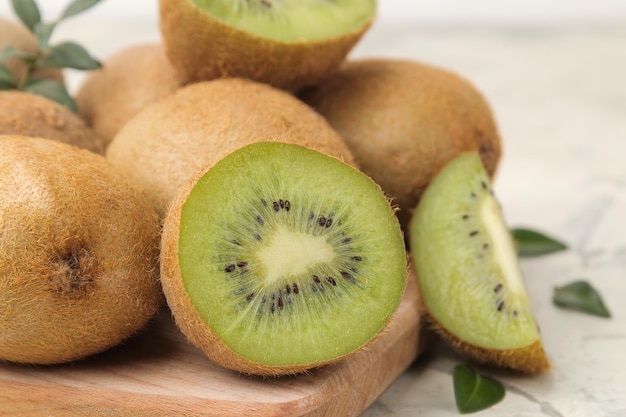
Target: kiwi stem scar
{"points": [[502, 244], [291, 253]]}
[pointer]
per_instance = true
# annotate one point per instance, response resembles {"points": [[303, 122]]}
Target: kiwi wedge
{"points": [[279, 258], [468, 271], [283, 43]]}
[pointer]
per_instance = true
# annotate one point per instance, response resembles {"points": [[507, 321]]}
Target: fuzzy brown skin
{"points": [[531, 359], [203, 48], [17, 35], [78, 253], [31, 115], [164, 144], [187, 318], [128, 81], [404, 120]]}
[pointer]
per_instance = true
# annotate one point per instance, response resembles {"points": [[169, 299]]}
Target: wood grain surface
{"points": [[158, 373]]}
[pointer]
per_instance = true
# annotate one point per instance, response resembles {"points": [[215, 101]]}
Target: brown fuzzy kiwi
{"points": [[203, 47], [78, 254], [164, 144], [17, 35], [32, 115], [128, 81], [403, 120]]}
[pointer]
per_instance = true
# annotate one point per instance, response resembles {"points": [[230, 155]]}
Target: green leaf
{"points": [[27, 11], [52, 90], [11, 51], [7, 79], [43, 32], [580, 296], [474, 392], [69, 55], [78, 6], [533, 243]]}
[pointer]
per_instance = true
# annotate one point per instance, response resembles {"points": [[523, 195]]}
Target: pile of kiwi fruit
{"points": [[269, 190]]}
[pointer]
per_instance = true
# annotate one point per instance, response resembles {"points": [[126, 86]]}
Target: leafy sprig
{"points": [[62, 55]]}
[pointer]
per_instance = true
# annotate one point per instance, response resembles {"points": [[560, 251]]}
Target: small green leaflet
{"points": [[580, 296], [474, 392], [52, 90], [78, 6], [7, 80], [533, 243], [27, 11], [69, 55]]}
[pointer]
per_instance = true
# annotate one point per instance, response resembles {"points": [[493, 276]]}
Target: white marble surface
{"points": [[559, 96]]}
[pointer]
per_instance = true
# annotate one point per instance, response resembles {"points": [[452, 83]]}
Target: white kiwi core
{"points": [[291, 253], [505, 254]]}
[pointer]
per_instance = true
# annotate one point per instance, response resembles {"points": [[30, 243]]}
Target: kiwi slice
{"points": [[280, 258], [469, 275], [286, 44]]}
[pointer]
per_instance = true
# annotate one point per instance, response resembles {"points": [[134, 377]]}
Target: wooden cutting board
{"points": [[158, 374]]}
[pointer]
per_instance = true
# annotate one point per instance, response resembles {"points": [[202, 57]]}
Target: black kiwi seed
{"points": [[347, 276], [257, 236], [497, 288], [473, 233], [242, 264], [230, 268], [484, 184], [332, 281], [280, 303], [347, 240], [288, 289], [329, 223], [276, 206], [264, 202], [250, 296], [486, 246], [287, 205], [295, 289], [281, 203], [501, 306], [260, 220], [322, 221], [357, 258], [466, 216], [316, 279]]}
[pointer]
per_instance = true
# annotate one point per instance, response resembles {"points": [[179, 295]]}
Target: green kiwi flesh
{"points": [[290, 21], [291, 258], [468, 271]]}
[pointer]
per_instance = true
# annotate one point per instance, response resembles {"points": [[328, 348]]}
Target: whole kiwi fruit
{"points": [[278, 259], [285, 44], [17, 35], [79, 253], [165, 143], [404, 120], [127, 82], [28, 114]]}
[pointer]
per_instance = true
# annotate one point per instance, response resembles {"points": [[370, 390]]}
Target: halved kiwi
{"points": [[280, 258], [469, 275], [286, 44]]}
